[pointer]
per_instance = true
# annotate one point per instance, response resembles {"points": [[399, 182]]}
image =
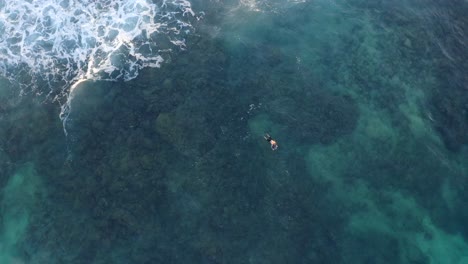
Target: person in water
{"points": [[273, 143]]}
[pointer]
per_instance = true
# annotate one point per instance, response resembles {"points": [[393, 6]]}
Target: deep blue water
{"points": [[132, 132]]}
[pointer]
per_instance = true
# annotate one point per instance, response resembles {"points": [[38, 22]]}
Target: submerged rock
{"points": [[320, 117], [188, 134], [450, 112]]}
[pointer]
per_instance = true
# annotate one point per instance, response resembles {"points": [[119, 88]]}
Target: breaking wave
{"points": [[67, 40], [59, 43]]}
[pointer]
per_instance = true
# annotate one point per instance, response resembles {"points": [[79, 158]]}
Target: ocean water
{"points": [[132, 131]]}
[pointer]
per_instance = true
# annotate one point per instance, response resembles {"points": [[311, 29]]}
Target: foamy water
{"points": [[64, 41]]}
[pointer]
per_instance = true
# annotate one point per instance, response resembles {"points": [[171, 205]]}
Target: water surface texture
{"points": [[132, 131]]}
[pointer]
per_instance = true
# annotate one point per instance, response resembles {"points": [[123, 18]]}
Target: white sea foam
{"points": [[64, 42], [70, 40], [268, 5]]}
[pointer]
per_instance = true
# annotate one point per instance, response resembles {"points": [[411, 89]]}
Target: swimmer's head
{"points": [[274, 145]]}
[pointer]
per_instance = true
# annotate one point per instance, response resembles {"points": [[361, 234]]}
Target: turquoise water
{"points": [[107, 158]]}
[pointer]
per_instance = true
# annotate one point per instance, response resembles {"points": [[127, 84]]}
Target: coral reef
{"points": [[171, 167], [318, 117]]}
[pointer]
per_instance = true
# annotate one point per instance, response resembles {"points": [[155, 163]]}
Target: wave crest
{"points": [[64, 41]]}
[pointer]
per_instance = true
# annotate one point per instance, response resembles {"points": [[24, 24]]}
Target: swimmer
{"points": [[273, 143]]}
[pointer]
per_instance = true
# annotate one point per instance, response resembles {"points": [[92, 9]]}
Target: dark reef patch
{"points": [[318, 117], [450, 113]]}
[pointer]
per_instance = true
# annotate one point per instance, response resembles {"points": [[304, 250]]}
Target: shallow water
{"points": [[156, 154]]}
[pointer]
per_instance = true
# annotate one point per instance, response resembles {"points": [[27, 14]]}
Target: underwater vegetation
{"points": [[370, 116], [317, 117]]}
